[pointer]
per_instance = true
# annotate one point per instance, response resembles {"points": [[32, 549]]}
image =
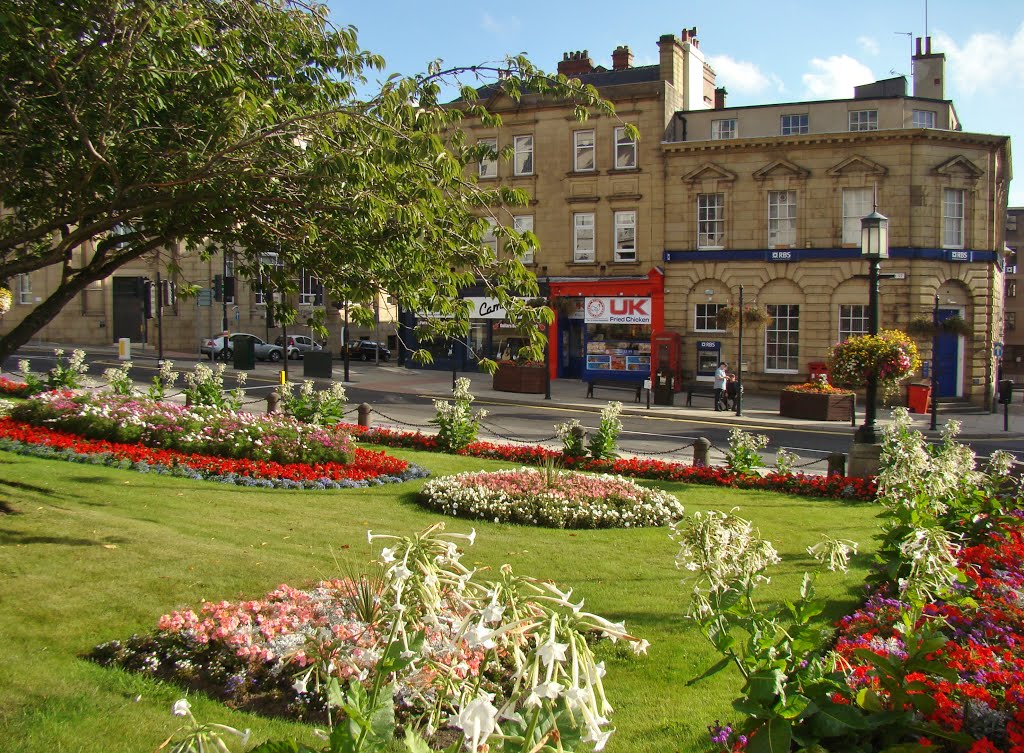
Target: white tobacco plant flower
{"points": [[834, 554]]}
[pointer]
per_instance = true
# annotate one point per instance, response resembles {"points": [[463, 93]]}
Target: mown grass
{"points": [[88, 554]]}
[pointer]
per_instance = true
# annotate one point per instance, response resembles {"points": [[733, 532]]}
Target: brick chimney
{"points": [[690, 35], [575, 63], [720, 94], [622, 58], [929, 71]]}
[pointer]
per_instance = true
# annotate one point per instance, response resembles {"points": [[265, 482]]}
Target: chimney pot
{"points": [[927, 45], [622, 58], [720, 94], [575, 63], [918, 46]]}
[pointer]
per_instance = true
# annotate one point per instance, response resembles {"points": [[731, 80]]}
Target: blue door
{"points": [[947, 358], [570, 348]]}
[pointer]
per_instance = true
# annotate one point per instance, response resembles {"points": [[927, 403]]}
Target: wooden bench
{"points": [[615, 384], [700, 389]]}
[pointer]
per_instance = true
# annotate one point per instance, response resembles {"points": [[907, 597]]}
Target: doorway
{"points": [[129, 309], [948, 360]]}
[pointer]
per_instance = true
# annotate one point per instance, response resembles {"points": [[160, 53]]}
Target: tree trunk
{"points": [[39, 317]]}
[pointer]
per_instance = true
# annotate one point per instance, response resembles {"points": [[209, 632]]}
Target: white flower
{"points": [[477, 720], [480, 637], [552, 652], [401, 573], [549, 689], [181, 707], [598, 737], [640, 646], [599, 668], [299, 686], [493, 613], [577, 697], [387, 555]]}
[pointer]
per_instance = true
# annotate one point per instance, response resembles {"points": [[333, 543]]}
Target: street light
{"points": [[874, 246]]}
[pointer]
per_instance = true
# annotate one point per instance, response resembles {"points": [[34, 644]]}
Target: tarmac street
{"points": [[403, 399]]}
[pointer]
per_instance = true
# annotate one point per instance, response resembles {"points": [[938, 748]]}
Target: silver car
{"points": [[299, 345], [215, 347]]}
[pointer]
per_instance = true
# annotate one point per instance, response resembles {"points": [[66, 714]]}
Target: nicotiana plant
{"points": [[309, 405], [205, 386], [743, 455], [572, 434], [457, 422], [604, 440], [529, 634], [66, 374]]}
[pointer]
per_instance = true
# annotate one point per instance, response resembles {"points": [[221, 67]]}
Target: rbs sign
{"points": [[618, 310]]}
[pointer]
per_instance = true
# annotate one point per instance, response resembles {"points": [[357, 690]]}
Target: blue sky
{"points": [[762, 52]]}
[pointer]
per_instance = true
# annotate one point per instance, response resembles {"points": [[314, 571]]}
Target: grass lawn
{"points": [[88, 554]]}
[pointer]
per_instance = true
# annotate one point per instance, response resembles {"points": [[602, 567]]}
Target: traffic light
{"points": [[148, 298], [218, 288], [229, 288], [169, 294]]}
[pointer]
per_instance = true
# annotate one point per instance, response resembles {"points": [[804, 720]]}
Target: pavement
{"points": [[760, 411]]}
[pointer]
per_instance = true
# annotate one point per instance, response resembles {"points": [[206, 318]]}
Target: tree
{"points": [[128, 126]]}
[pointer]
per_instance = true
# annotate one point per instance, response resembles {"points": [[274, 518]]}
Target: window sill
{"points": [[711, 248], [622, 170], [582, 173]]}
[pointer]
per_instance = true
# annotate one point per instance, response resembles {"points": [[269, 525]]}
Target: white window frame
{"points": [[625, 236], [488, 168], [309, 288], [583, 237], [781, 219], [705, 314], [924, 119], [582, 149], [954, 212], [726, 128], [490, 237], [857, 203], [780, 334], [272, 260], [523, 223], [710, 220], [522, 159], [625, 150], [853, 320], [794, 124], [24, 286], [863, 120]]}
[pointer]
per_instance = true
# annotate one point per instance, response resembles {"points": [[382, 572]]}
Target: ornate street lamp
{"points": [[874, 246]]}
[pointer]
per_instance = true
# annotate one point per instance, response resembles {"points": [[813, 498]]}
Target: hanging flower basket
{"points": [[925, 328], [6, 298], [890, 355], [753, 316]]}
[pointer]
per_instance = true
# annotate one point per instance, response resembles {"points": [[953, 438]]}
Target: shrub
{"points": [[457, 424]]}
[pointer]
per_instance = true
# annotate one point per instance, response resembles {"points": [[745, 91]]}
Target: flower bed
{"points": [[977, 680], [367, 468], [552, 499], [10, 388], [201, 430], [816, 406], [257, 654], [828, 487], [513, 377]]}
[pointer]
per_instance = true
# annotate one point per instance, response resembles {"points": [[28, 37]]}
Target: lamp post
{"points": [[739, 360], [874, 246], [935, 372]]}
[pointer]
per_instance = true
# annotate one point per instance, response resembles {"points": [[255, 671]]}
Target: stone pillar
{"points": [[864, 459], [273, 402], [837, 464], [700, 452], [364, 415]]}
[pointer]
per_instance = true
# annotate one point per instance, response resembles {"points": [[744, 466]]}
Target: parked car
{"points": [[298, 345], [367, 350], [214, 347]]}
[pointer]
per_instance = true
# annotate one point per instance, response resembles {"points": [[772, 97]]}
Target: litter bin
{"points": [[918, 398], [317, 364], [663, 392], [244, 353], [1006, 391]]}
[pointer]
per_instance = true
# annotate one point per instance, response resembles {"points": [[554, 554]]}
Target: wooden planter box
{"points": [[816, 407], [512, 378]]}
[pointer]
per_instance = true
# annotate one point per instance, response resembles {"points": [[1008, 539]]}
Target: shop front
{"points": [[604, 327]]}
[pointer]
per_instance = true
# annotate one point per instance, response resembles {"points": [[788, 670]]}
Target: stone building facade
{"points": [[1013, 303]]}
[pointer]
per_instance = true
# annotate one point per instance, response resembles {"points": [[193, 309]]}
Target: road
{"points": [[658, 436]]}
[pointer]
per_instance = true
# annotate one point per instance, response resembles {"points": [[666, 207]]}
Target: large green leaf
{"points": [[774, 736]]}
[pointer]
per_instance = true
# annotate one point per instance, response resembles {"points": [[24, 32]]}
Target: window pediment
{"points": [[857, 165], [709, 171], [781, 168], [960, 167]]}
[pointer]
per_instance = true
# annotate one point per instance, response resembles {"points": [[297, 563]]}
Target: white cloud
{"points": [[835, 77], [868, 44], [738, 76], [986, 62], [500, 26]]}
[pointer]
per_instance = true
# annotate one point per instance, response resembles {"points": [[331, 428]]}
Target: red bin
{"points": [[918, 398], [817, 368]]}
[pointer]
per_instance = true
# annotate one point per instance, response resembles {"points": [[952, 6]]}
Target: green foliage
{"points": [[324, 407], [119, 380], [743, 455], [603, 442], [66, 374], [162, 381], [245, 125], [572, 434], [205, 387], [457, 423]]}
